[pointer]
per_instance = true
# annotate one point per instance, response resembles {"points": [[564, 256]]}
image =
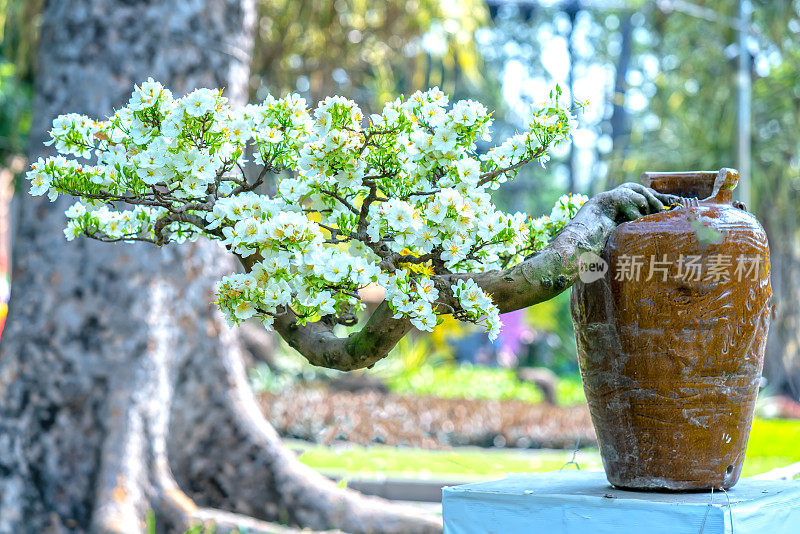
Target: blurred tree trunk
{"points": [[619, 122], [782, 362], [776, 192], [121, 390]]}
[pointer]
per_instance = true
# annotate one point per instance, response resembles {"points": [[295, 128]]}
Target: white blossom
{"points": [[393, 201]]}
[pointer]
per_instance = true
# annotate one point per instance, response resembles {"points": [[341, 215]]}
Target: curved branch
{"points": [[322, 347], [538, 278], [553, 269]]}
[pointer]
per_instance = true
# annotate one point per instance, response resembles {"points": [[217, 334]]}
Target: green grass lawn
{"points": [[773, 443], [356, 460]]}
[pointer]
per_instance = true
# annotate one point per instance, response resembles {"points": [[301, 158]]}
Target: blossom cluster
{"points": [[397, 199], [545, 227]]}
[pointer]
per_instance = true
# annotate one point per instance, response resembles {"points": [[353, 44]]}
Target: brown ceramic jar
{"points": [[671, 355]]}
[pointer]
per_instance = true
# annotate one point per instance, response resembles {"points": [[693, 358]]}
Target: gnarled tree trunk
{"points": [[121, 390]]}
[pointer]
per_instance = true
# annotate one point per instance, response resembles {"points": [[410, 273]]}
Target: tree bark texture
{"points": [[121, 389]]}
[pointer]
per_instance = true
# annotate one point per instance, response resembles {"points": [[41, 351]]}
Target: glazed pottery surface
{"points": [[671, 359]]}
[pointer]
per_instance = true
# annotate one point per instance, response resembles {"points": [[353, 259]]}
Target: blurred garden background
{"points": [[668, 85]]}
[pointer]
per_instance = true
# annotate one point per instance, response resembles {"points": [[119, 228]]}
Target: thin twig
{"points": [[489, 176]]}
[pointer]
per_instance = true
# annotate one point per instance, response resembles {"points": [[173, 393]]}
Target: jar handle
{"points": [[707, 186], [726, 181]]}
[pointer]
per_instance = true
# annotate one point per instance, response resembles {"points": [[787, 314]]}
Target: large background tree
{"points": [[116, 373]]}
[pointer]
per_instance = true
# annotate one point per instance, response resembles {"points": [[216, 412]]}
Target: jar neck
{"points": [[708, 186]]}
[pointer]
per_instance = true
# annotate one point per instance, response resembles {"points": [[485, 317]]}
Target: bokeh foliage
{"points": [[18, 37], [369, 51], [366, 50]]}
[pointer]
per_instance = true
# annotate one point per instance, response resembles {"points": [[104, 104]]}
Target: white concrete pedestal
{"points": [[583, 502]]}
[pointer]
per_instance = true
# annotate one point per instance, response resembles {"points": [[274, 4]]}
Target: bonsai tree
{"points": [[401, 200]]}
